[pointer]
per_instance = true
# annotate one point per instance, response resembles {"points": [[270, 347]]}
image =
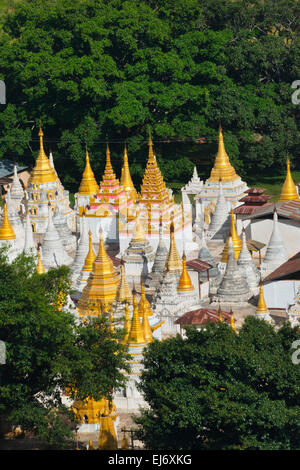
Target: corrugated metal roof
{"points": [[7, 167], [287, 209], [291, 266]]}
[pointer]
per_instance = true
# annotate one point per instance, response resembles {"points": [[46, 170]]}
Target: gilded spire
{"points": [[43, 171], [123, 292], [220, 314], [185, 283], [173, 261], [126, 180], [232, 324], [88, 185], [6, 230], [289, 190], [101, 287], [222, 168], [261, 304], [40, 267], [144, 305], [109, 181], [127, 325], [153, 188], [147, 330], [136, 335], [90, 257], [237, 242]]}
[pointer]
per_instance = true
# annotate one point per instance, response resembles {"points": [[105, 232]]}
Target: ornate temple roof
{"points": [[109, 181]]}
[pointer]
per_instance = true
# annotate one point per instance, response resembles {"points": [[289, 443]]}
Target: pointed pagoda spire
{"points": [[153, 186], [16, 189], [289, 190], [262, 310], [54, 254], [109, 181], [233, 287], [222, 167], [123, 291], [101, 288], [136, 335], [126, 180], [82, 250], [144, 305], [185, 283], [276, 253], [90, 257], [232, 324], [43, 171], [127, 325], [237, 242], [6, 230], [88, 185], [220, 218], [246, 264], [173, 261], [160, 254], [29, 243], [40, 267]]}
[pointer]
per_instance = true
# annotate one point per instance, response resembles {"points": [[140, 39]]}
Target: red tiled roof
{"points": [[287, 209], [201, 316], [198, 265], [246, 209], [255, 190], [116, 261], [253, 199], [291, 266]]}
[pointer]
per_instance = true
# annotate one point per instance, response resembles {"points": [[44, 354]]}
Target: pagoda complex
{"points": [[233, 187], [44, 187]]}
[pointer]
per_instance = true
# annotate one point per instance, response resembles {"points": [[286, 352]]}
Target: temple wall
{"points": [[280, 294]]}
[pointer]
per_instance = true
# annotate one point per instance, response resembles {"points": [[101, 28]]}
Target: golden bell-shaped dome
{"points": [[43, 172], [185, 283], [261, 304], [88, 185], [289, 190], [6, 230], [123, 292], [237, 242], [222, 168]]}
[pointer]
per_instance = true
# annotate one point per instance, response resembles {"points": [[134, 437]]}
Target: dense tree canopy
{"points": [[49, 352], [87, 68], [219, 390]]}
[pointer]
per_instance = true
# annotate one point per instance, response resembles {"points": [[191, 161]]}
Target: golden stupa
{"points": [[109, 180], [136, 334], [237, 242], [6, 230], [232, 324], [123, 291], [126, 180], [153, 188], [88, 185], [289, 190], [40, 267], [261, 304], [101, 288], [144, 304], [222, 168], [185, 283], [173, 261], [43, 172]]}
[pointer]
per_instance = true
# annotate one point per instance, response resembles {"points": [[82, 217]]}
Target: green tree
{"points": [[50, 351], [219, 390]]}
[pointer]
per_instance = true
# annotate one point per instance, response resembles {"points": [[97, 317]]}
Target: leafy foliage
{"points": [[87, 68], [49, 351], [219, 390]]}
